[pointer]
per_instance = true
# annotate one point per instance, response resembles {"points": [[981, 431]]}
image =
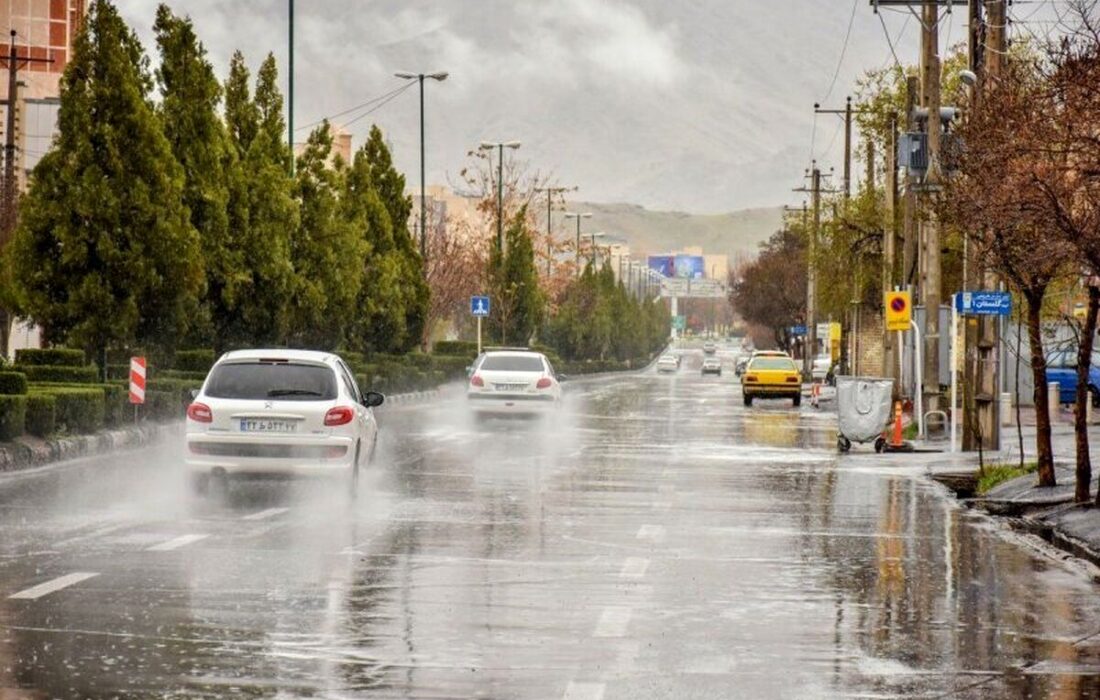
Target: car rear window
{"points": [[773, 363], [512, 363], [285, 381]]}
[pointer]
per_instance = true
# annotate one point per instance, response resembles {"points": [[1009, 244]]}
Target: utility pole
{"points": [[290, 85], [889, 244], [847, 112], [909, 214], [932, 293], [499, 147], [550, 192], [439, 76]]}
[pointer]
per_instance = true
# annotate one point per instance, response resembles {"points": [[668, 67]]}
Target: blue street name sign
{"points": [[798, 330], [984, 303], [479, 306]]}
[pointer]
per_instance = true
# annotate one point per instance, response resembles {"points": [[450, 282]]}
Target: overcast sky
{"points": [[695, 105]]}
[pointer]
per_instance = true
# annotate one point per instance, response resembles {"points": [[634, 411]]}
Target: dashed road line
{"points": [[265, 514], [634, 567], [613, 622], [583, 691], [181, 541], [654, 533], [35, 592]]}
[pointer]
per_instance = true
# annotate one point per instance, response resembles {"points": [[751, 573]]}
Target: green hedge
{"points": [[116, 403], [13, 416], [59, 374], [13, 383], [462, 348], [194, 360], [178, 374], [41, 415], [53, 357], [77, 410]]}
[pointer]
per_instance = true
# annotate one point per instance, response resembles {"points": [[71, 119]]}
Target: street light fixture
{"points": [[595, 257], [578, 217], [500, 146], [439, 76]]}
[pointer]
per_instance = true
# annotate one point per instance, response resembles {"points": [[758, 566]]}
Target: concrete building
{"points": [[341, 145]]}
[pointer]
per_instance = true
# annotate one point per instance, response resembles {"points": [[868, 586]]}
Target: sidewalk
{"points": [[1046, 511]]}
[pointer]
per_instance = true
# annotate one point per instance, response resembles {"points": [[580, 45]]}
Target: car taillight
{"points": [[476, 380], [200, 413], [341, 415], [750, 377], [544, 383], [792, 380]]}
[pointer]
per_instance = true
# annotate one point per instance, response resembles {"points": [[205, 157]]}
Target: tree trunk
{"points": [[1080, 407], [1039, 377]]}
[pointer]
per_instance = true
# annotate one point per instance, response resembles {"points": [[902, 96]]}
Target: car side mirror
{"points": [[194, 394], [373, 399]]}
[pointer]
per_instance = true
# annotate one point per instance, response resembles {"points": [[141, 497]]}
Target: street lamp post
{"points": [[577, 253], [550, 192], [440, 76], [500, 146], [595, 257]]}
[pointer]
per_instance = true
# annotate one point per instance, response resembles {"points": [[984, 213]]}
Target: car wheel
{"points": [[797, 400], [843, 444], [748, 400]]}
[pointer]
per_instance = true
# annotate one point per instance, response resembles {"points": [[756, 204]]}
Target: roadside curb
{"points": [[412, 397], [29, 453]]}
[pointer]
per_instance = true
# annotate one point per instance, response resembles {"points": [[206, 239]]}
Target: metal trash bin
{"points": [[863, 410]]}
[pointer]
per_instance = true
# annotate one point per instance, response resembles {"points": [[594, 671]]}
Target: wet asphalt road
{"points": [[659, 541]]}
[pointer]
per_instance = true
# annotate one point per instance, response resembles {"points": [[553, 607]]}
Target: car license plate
{"points": [[267, 425], [509, 387]]}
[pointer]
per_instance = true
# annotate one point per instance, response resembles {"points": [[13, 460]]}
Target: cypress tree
{"points": [[189, 112], [390, 185], [105, 255], [514, 285]]}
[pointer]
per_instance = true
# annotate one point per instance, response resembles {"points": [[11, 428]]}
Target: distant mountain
{"points": [[651, 232]]}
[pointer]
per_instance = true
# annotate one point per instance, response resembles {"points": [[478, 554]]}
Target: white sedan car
{"points": [[513, 382], [668, 363], [280, 413]]}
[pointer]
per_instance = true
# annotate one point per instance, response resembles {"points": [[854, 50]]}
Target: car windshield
{"points": [[512, 363], [782, 363], [286, 381]]}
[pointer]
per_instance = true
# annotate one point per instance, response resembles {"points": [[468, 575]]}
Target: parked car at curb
{"points": [[1062, 368], [513, 382], [771, 375], [280, 413]]}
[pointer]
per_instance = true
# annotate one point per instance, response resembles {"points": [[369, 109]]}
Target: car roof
{"points": [[513, 353], [769, 353], [315, 356]]}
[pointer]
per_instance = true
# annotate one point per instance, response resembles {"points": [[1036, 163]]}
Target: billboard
{"points": [[663, 264], [691, 267]]}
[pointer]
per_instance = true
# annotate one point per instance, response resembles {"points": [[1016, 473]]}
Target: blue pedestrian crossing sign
{"points": [[479, 306]]}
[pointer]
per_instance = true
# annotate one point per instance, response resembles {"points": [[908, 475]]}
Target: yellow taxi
{"points": [[772, 374]]}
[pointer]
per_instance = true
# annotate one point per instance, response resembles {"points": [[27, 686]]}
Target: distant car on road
{"points": [[712, 365], [668, 363], [1062, 368], [771, 375], [709, 348], [280, 413], [513, 382]]}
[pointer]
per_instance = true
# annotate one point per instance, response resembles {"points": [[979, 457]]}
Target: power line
{"points": [[890, 42], [381, 104], [356, 108], [843, 51]]}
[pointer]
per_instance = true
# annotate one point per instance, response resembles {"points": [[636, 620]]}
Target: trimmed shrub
{"points": [[78, 410], [177, 374], [41, 415], [13, 417], [194, 360], [162, 405], [462, 348], [452, 367], [60, 374], [118, 372], [13, 383], [179, 389], [52, 357]]}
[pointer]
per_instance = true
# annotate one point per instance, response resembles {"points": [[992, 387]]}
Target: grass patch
{"points": [[909, 432], [1000, 473]]}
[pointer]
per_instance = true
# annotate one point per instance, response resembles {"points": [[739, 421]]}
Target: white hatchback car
{"points": [[513, 382], [668, 363], [280, 413]]}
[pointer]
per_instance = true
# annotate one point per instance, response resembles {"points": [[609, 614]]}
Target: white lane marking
{"points": [[181, 541], [613, 622], [48, 587], [634, 567], [583, 691], [656, 533], [265, 514]]}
